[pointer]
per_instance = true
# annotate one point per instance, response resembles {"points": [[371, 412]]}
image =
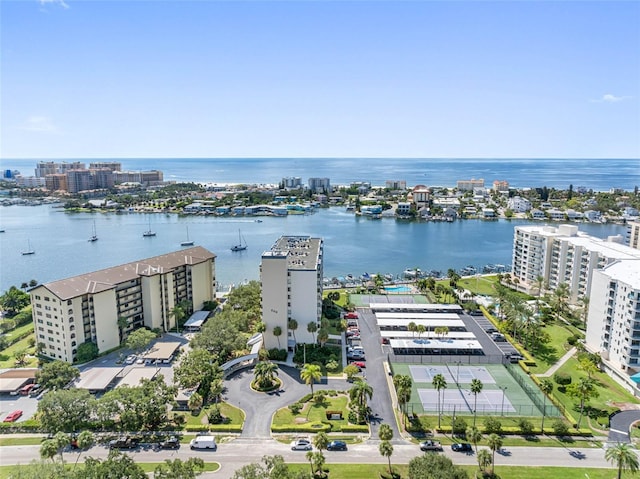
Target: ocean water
{"points": [[352, 245], [596, 174]]}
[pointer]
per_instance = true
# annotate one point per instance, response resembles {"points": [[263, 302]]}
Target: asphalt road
{"points": [[239, 452]]}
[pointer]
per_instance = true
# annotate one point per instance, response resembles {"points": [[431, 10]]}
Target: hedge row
{"points": [[307, 427], [235, 428], [515, 431]]}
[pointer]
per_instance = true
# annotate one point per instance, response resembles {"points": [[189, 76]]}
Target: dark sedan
{"points": [[170, 443], [461, 447], [124, 443], [337, 446]]}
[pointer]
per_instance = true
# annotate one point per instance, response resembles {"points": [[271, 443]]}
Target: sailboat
{"points": [[242, 244], [188, 242], [29, 249], [149, 232], [94, 236]]}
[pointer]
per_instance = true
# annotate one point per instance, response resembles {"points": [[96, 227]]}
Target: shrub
{"points": [[295, 408], [560, 428], [276, 354], [562, 379], [526, 428], [332, 365], [572, 340], [459, 426], [492, 426], [306, 398]]}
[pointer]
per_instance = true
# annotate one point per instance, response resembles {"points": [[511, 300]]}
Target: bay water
{"points": [[352, 245]]}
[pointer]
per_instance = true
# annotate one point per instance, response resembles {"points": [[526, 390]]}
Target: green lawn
{"points": [[7, 471], [32, 361], [482, 285], [9, 440], [235, 415], [314, 413], [20, 330], [358, 471], [548, 354], [609, 392]]}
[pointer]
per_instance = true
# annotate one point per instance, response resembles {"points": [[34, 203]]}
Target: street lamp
{"points": [[503, 388], [458, 373]]}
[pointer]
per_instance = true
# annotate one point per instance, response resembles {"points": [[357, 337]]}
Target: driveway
{"points": [[260, 407], [620, 425]]}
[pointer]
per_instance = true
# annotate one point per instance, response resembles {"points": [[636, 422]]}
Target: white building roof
{"points": [[428, 323], [96, 379], [426, 308], [135, 375], [627, 272], [434, 344], [409, 334], [412, 315]]}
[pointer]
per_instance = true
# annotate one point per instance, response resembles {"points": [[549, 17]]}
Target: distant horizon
{"points": [[546, 158]]}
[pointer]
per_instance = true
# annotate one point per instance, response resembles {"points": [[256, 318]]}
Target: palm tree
{"points": [[439, 382], [385, 433], [495, 443], [48, 449], [292, 324], [195, 401], [476, 388], [538, 284], [386, 450], [584, 313], [311, 373], [265, 373], [484, 459], [309, 457], [546, 386], [403, 384], [277, 332], [421, 329], [358, 395], [584, 390], [321, 441], [178, 313], [122, 325], [623, 457], [412, 327], [475, 436], [312, 327], [84, 441], [560, 298]]}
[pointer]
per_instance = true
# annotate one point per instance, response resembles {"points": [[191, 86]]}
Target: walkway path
{"points": [[552, 370]]}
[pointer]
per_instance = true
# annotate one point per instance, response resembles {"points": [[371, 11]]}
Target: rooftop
{"points": [[302, 252], [105, 279]]}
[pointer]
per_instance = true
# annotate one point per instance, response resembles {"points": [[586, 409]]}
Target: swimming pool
{"points": [[398, 289]]}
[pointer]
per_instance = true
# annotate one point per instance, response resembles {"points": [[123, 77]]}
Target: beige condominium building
{"points": [[563, 255], [86, 308], [634, 234], [291, 277], [613, 324]]}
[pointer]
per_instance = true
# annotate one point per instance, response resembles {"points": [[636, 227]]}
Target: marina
{"points": [[352, 245]]}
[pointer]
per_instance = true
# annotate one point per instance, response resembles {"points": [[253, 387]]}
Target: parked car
{"points": [[26, 390], [351, 316], [359, 364], [301, 445], [13, 416], [514, 358], [491, 330], [498, 337], [203, 442], [172, 442], [130, 359], [461, 447], [430, 445], [385, 341], [126, 442], [337, 446], [357, 355]]}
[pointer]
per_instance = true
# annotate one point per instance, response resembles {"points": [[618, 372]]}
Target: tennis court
{"points": [[454, 374], [463, 401]]}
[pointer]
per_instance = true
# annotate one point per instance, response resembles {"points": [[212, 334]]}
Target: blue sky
{"points": [[100, 79]]}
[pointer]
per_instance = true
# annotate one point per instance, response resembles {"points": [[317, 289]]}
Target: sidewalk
{"points": [[552, 370]]}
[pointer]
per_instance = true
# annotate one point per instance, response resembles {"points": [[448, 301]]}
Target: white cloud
{"points": [[39, 123], [609, 98], [54, 2]]}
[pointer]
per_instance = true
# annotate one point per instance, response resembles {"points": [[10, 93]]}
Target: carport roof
{"points": [[162, 350], [135, 375], [96, 379], [13, 379]]}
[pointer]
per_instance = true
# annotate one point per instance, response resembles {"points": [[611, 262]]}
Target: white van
{"points": [[203, 442]]}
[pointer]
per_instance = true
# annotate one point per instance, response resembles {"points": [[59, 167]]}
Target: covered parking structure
{"points": [[414, 308], [13, 379], [136, 375], [161, 351], [398, 334], [432, 346], [196, 321], [398, 324], [97, 380]]}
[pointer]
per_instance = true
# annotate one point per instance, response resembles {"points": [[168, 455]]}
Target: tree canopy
{"points": [[56, 375], [434, 466], [139, 339]]}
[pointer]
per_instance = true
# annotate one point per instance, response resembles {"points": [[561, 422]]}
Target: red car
{"points": [[359, 364], [13, 416], [351, 316]]}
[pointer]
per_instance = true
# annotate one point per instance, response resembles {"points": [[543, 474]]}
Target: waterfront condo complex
{"points": [[86, 308], [563, 255], [291, 277], [613, 324]]}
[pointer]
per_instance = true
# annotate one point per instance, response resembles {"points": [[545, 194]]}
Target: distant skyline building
{"points": [[319, 185], [396, 184], [292, 182], [500, 186], [145, 178], [79, 180], [469, 185], [291, 288], [110, 165], [44, 168], [86, 308]]}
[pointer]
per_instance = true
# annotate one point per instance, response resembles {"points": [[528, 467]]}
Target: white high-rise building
{"points": [[291, 277], [613, 324], [563, 255]]}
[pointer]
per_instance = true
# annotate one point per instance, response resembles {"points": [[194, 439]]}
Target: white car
{"points": [[130, 359], [301, 445]]}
